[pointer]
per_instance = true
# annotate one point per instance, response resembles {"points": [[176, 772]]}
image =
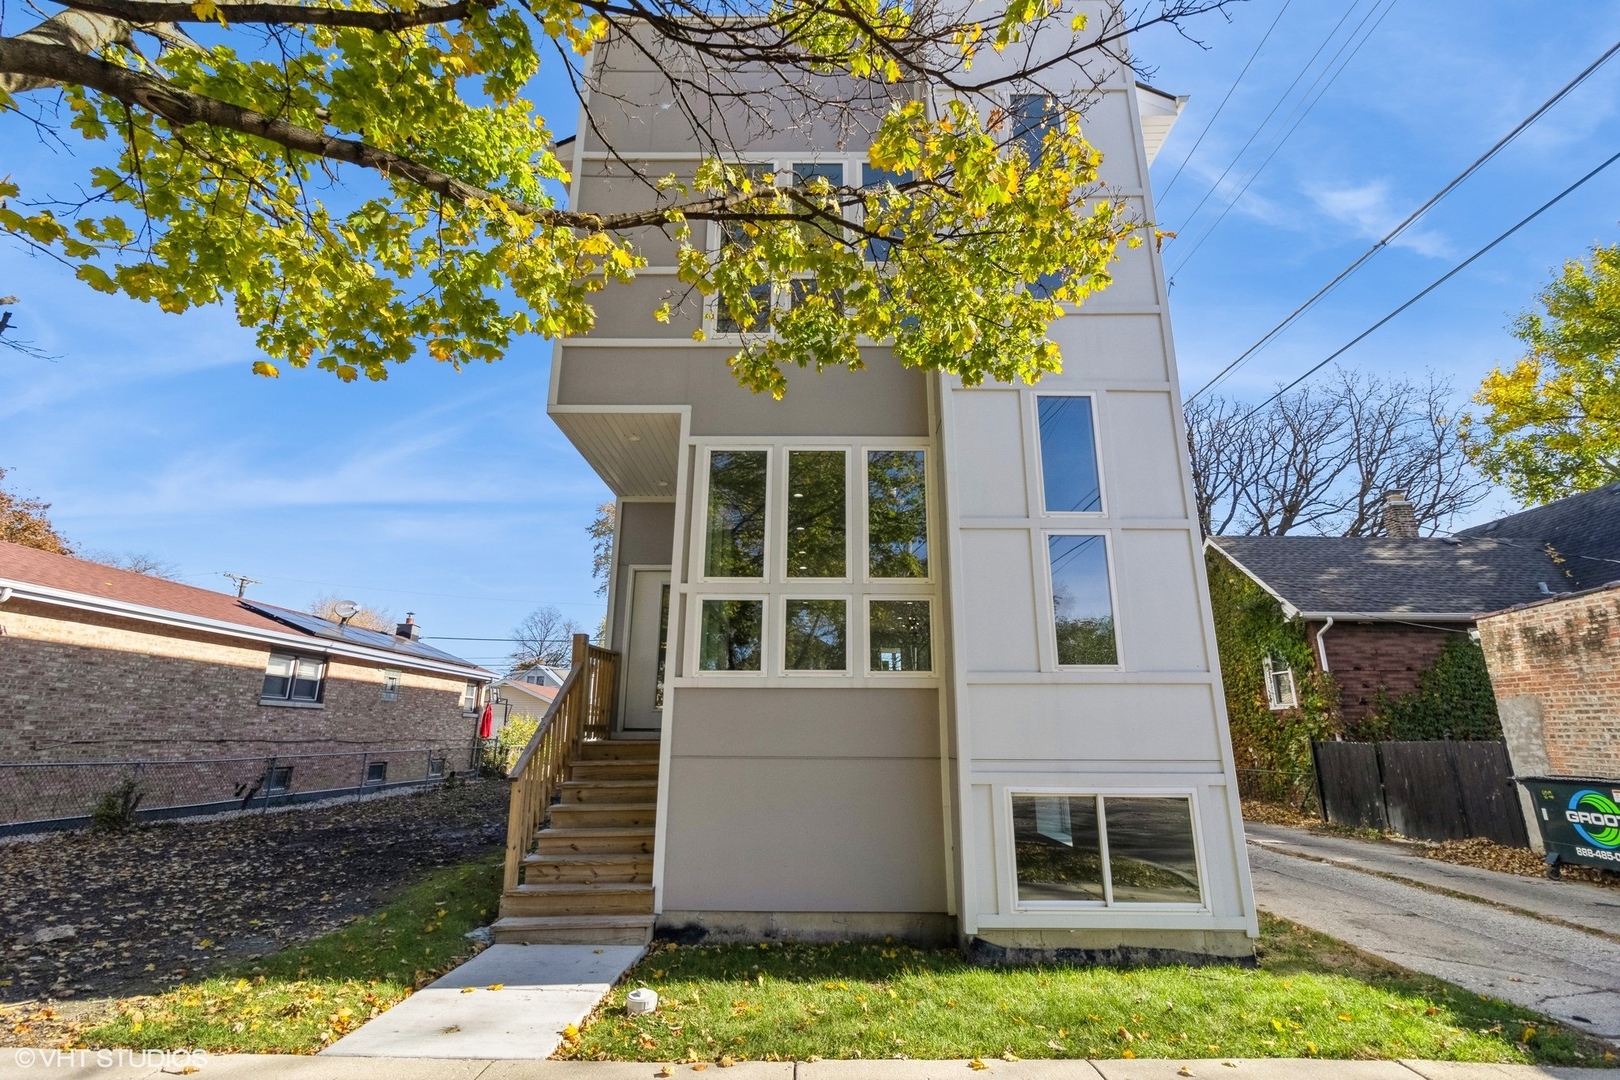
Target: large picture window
{"points": [[817, 635], [816, 517], [1082, 603], [735, 545], [295, 679], [730, 639], [1113, 849], [1069, 483], [897, 513]]}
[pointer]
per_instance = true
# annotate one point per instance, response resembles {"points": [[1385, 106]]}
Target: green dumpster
{"points": [[1579, 818]]}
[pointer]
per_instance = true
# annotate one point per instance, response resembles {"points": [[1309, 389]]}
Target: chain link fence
{"points": [[38, 796]]}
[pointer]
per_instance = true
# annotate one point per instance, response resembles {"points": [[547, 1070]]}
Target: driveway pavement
{"points": [[1567, 973]]}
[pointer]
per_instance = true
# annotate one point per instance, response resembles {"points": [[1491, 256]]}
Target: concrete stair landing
{"points": [[589, 878]]}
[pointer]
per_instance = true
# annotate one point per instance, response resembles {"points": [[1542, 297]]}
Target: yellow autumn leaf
{"points": [[468, 989], [977, 1065], [501, 986]]}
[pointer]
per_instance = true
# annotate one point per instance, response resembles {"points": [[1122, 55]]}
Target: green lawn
{"points": [[1311, 997], [299, 1000]]}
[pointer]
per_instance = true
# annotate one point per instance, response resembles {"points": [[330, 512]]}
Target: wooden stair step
{"points": [[614, 769], [608, 791], [596, 815], [574, 930], [619, 750], [617, 898], [574, 867], [602, 841]]}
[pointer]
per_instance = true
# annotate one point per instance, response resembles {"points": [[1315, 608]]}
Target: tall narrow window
{"points": [[1068, 455], [390, 684], [817, 635], [1032, 117], [736, 523], [897, 514], [730, 637], [877, 180], [1081, 600], [815, 514], [1280, 692], [900, 637], [754, 316]]}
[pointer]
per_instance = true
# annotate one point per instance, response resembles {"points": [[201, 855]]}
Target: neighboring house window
{"points": [[816, 635], [1105, 849], [735, 545], [816, 514], [279, 780], [731, 636], [897, 514], [376, 772], [1280, 692], [469, 697], [390, 685], [293, 678], [900, 636], [1082, 601], [1069, 482]]}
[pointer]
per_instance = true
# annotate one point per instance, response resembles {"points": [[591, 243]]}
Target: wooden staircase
{"points": [[579, 841], [589, 877]]}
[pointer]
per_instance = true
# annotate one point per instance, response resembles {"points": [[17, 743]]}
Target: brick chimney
{"points": [[1400, 520], [410, 631]]}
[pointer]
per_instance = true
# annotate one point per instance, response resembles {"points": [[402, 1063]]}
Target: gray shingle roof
{"points": [[1391, 577], [1584, 529]]}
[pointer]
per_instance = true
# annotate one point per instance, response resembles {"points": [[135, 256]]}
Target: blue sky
{"points": [[451, 495]]}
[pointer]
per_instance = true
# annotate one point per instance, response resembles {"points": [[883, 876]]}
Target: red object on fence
{"points": [[486, 726]]}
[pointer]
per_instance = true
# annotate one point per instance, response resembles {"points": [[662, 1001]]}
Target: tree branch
{"points": [[170, 11]]}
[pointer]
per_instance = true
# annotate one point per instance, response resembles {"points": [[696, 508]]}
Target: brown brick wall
{"points": [[1563, 659], [1366, 657], [80, 686]]}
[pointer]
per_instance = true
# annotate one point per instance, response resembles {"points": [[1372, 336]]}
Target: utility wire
{"points": [[1230, 90], [1447, 276], [1410, 220], [1278, 144], [1262, 126]]}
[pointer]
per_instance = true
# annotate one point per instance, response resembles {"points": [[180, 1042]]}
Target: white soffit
{"points": [[631, 452], [1159, 112]]}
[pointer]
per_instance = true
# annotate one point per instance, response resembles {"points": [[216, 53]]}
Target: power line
{"points": [[1262, 126], [446, 596], [1278, 144], [1447, 276], [1230, 90], [1410, 219]]}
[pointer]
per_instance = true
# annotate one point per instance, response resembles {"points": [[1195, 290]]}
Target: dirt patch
{"points": [[85, 915]]}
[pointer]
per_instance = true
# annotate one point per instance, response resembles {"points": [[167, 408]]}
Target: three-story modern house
{"points": [[921, 660]]}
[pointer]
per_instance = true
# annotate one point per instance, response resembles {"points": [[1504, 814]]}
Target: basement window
{"points": [[279, 780], [295, 680], [376, 772], [1105, 849], [1280, 690]]}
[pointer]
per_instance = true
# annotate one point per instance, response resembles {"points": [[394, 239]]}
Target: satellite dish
{"points": [[345, 610]]}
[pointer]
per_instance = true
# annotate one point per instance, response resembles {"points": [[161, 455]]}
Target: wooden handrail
{"points": [[582, 709]]}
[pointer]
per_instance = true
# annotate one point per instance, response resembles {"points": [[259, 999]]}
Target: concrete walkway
{"points": [[84, 1066], [1595, 908], [1568, 974], [508, 1002]]}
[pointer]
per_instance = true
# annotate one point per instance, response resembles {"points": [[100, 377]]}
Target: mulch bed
{"points": [[162, 903]]}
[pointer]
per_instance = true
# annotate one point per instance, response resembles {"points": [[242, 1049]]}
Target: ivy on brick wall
{"points": [[1453, 700], [1273, 747]]}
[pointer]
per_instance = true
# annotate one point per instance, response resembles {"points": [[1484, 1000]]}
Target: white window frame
{"points": [[781, 516], [851, 632], [695, 637], [473, 691], [771, 512], [1049, 600], [933, 635], [1011, 904], [290, 702], [1272, 672], [1033, 418], [392, 681], [930, 495]]}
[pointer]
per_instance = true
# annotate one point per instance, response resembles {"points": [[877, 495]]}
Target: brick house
{"points": [[98, 664], [1378, 611]]}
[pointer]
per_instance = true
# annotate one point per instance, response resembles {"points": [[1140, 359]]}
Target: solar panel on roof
{"points": [[325, 628]]}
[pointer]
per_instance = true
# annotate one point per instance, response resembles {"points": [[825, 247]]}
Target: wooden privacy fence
{"points": [[582, 709], [1441, 790]]}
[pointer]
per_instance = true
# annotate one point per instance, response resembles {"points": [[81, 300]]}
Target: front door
{"points": [[649, 634]]}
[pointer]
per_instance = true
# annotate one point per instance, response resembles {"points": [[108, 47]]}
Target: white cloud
{"points": [[1371, 211]]}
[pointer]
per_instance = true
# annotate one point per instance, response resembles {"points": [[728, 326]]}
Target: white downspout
{"points": [[1321, 646]]}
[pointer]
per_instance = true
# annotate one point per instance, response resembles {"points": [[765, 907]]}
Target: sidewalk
{"points": [[268, 1067]]}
